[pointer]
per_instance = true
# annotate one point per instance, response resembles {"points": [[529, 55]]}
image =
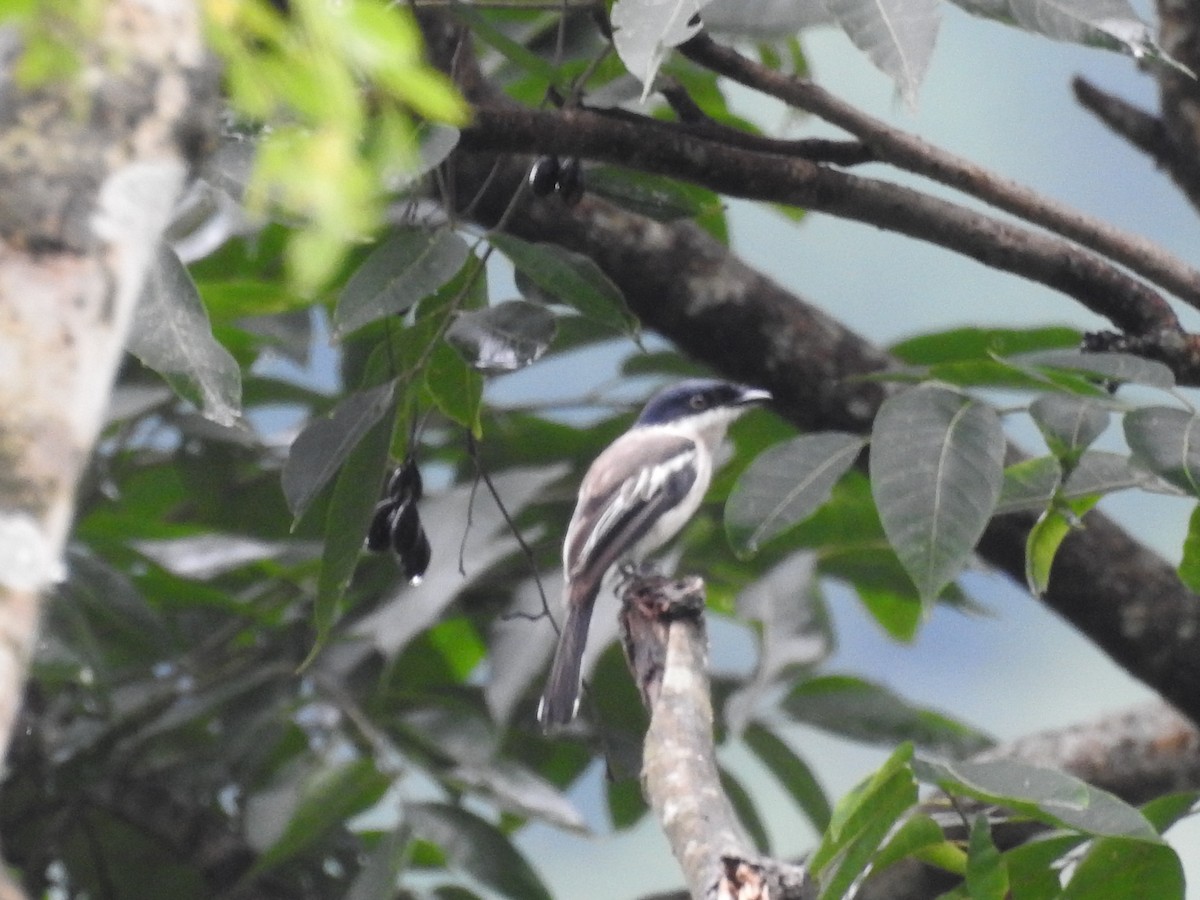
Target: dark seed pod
{"points": [[570, 182], [405, 524], [543, 177], [379, 535], [416, 560], [405, 485]]}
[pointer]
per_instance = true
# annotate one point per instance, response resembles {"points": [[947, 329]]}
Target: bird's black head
{"points": [[696, 397]]}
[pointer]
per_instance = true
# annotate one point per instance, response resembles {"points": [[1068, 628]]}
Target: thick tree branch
{"points": [[910, 152], [84, 197], [662, 628], [1138, 754]]}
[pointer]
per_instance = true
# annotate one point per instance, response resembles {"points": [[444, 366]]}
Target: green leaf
{"points": [[410, 265], [1069, 423], [504, 337], [455, 387], [1033, 867], [918, 832], [855, 805], [792, 773], [1163, 812], [937, 465], [643, 34], [354, 497], [860, 822], [1120, 867], [868, 712], [1124, 368], [171, 334], [786, 484], [325, 444], [376, 879], [211, 554], [987, 877], [1029, 485], [1189, 566], [519, 55], [386, 43], [1047, 535], [1167, 441], [568, 278], [326, 801], [981, 343], [476, 847], [1098, 472], [230, 299], [437, 141], [794, 633], [662, 199], [900, 614], [1046, 795], [661, 362], [626, 803], [995, 373], [112, 605]]}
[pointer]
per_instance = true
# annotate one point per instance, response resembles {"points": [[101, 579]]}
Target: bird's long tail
{"points": [[560, 700]]}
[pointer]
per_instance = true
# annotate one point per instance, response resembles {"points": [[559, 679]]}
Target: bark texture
{"points": [[90, 167]]}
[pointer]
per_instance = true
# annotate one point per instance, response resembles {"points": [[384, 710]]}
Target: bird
{"points": [[636, 496]]}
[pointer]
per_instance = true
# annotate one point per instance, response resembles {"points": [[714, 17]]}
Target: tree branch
{"points": [[85, 194], [1140, 128], [656, 147], [662, 628], [910, 152], [83, 202]]}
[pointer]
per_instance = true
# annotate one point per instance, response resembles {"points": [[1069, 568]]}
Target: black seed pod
{"points": [[405, 485], [379, 535], [543, 177], [405, 524], [416, 560], [570, 182]]}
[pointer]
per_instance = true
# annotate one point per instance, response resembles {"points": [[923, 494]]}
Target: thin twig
{"points": [[1140, 128], [819, 150], [473, 453]]}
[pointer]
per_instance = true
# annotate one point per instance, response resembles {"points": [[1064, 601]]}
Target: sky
{"points": [[1001, 98]]}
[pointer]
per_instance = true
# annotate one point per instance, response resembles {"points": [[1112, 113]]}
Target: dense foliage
{"points": [[233, 695]]}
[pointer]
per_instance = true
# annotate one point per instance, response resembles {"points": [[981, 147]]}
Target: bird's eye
{"points": [[696, 401]]}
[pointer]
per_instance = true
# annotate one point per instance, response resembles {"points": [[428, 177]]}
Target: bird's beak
{"points": [[750, 396]]}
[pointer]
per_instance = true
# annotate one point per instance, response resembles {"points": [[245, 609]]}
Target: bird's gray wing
{"points": [[629, 487]]}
